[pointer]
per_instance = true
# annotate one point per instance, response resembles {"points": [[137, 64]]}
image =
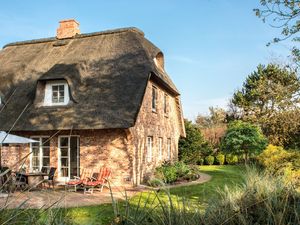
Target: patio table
{"points": [[34, 179]]}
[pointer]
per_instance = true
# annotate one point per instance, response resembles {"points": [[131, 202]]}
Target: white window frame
{"points": [[49, 93], [60, 177], [149, 148], [169, 148], [40, 153], [166, 104], [154, 98], [160, 147]]}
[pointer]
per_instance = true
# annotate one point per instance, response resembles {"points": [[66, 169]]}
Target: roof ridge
{"points": [[50, 39]]}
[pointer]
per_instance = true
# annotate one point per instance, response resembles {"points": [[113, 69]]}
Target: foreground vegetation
{"points": [[260, 199]]}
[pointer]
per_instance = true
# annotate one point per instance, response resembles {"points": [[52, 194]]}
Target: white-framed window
{"points": [[149, 148], [169, 148], [166, 104], [160, 147], [154, 99], [56, 93], [68, 157], [40, 154]]}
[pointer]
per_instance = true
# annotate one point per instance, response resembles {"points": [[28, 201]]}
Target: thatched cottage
{"points": [[90, 100]]}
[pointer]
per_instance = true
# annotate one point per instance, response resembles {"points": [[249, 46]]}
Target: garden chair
{"points": [[99, 183], [77, 182], [50, 179]]}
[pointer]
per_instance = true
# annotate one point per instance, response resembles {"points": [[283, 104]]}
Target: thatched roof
{"points": [[107, 73]]}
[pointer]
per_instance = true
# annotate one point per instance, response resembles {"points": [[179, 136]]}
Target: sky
{"points": [[210, 46]]}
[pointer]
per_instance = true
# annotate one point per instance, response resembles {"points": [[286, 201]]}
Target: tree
{"points": [[193, 147], [282, 14], [213, 126], [243, 138], [270, 96]]}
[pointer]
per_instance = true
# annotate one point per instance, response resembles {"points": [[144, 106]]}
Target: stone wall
{"points": [[157, 125]]}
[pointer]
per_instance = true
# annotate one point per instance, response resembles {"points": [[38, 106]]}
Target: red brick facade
{"points": [[122, 150]]}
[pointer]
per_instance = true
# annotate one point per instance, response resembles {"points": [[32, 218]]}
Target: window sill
{"points": [[154, 111]]}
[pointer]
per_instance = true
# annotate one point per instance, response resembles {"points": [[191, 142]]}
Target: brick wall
{"points": [[157, 125], [97, 148]]}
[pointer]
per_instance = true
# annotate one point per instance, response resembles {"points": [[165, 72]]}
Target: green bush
{"points": [[200, 161], [278, 161], [181, 169], [193, 174], [220, 159], [169, 173], [232, 159], [209, 160]]}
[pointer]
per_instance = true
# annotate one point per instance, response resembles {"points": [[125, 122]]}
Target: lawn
{"points": [[200, 194]]}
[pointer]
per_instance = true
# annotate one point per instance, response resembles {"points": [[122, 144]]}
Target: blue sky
{"points": [[210, 46]]}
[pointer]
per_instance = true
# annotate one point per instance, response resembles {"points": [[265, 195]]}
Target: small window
{"points": [[58, 93], [160, 146], [154, 99], [166, 104], [149, 148], [169, 148]]}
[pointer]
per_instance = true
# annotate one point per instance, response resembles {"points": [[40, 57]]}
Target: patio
{"points": [[62, 198]]}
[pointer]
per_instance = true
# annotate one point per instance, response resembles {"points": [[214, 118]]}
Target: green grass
{"points": [[201, 194]]}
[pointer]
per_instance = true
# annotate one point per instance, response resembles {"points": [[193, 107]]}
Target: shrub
{"points": [[231, 159], [193, 174], [220, 159], [200, 161], [169, 173], [181, 169], [278, 161], [209, 160]]}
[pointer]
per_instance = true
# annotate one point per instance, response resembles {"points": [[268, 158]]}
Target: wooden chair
{"points": [[50, 179], [99, 183], [76, 182]]}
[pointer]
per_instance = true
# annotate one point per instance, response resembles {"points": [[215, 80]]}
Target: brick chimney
{"points": [[67, 29]]}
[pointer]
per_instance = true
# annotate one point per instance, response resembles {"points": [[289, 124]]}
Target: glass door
{"points": [[69, 157]]}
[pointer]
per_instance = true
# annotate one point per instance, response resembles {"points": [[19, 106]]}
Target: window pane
{"points": [[46, 161], [35, 151], [35, 144], [64, 142], [154, 98], [64, 152], [64, 162], [46, 142], [46, 151], [64, 172], [61, 88], [35, 162]]}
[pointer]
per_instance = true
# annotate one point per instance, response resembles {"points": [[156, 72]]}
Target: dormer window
{"points": [[56, 93]]}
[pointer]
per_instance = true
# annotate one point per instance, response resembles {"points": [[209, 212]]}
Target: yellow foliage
{"points": [[278, 161]]}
